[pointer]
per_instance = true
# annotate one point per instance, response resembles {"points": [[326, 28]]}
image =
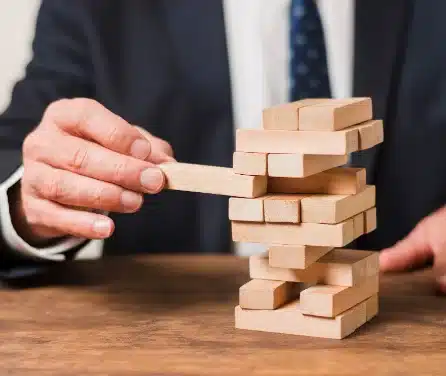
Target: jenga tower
{"points": [[305, 284], [290, 193]]}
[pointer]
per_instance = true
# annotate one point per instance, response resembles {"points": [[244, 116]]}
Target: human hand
{"points": [[427, 241], [82, 158]]}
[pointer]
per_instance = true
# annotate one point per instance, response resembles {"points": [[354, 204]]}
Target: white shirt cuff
{"points": [[92, 250]]}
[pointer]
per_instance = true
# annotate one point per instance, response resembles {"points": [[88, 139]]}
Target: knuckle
{"points": [[84, 105], [29, 144], [56, 107], [79, 159], [37, 143], [96, 198], [114, 136], [85, 111], [119, 170], [103, 197], [71, 111], [53, 188]]}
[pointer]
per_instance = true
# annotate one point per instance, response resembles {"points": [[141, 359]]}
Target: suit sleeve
{"points": [[60, 68]]}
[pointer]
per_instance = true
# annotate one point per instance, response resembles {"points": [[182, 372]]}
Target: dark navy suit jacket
{"points": [[163, 64]]}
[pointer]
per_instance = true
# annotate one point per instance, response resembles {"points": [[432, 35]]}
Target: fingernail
{"points": [[140, 149], [131, 200], [152, 180], [102, 228]]}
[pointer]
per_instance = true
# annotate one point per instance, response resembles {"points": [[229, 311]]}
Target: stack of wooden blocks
{"points": [[305, 284], [289, 192]]}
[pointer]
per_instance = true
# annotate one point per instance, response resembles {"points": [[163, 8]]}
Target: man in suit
{"points": [[165, 66]]}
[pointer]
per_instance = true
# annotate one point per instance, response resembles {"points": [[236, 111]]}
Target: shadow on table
{"points": [[163, 283], [148, 283]]}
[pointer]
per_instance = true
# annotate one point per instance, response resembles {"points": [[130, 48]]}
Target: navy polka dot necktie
{"points": [[308, 59]]}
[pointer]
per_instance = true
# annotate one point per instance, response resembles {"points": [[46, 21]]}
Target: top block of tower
{"points": [[318, 114], [358, 137]]}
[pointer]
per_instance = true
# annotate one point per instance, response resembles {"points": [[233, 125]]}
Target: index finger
{"points": [[90, 120]]}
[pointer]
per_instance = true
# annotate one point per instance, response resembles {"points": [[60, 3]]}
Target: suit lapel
{"points": [[380, 35]]}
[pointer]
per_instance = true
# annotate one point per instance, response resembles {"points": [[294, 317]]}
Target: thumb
{"points": [[407, 253]]}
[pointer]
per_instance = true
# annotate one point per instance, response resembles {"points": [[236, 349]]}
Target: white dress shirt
{"points": [[257, 38]]}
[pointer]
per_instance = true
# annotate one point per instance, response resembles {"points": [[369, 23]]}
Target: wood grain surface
{"points": [[174, 315]]}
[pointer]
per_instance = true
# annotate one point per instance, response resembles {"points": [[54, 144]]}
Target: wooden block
{"points": [[289, 320], [282, 208], [336, 208], [339, 180], [302, 165], [246, 209], [370, 220], [259, 268], [315, 234], [335, 114], [359, 224], [285, 116], [353, 320], [213, 180], [330, 301], [349, 267], [264, 294], [250, 163], [372, 307], [371, 133], [290, 142], [296, 208], [339, 267], [296, 256]]}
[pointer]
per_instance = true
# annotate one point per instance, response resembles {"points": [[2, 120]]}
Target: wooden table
{"points": [[173, 315]]}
